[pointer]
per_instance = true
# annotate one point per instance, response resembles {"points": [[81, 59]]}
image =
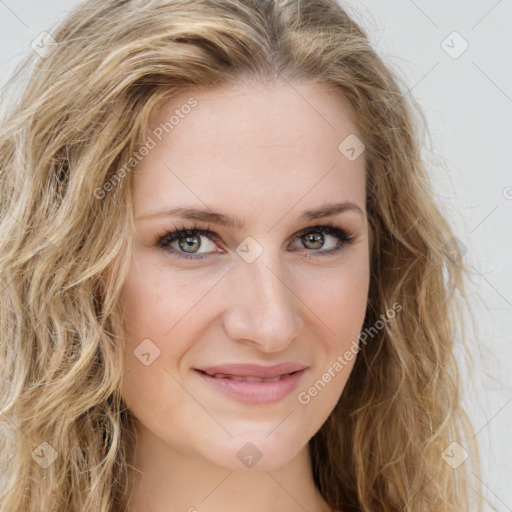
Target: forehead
{"points": [[268, 113], [251, 143]]}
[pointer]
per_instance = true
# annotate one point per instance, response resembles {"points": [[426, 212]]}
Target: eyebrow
{"points": [[223, 219]]}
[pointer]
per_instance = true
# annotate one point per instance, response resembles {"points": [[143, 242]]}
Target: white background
{"points": [[468, 103]]}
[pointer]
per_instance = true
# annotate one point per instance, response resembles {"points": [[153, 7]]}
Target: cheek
{"points": [[149, 358], [161, 312], [155, 299], [339, 299], [337, 309]]}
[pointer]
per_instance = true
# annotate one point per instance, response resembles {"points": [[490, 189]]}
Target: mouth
{"points": [[242, 378], [250, 389]]}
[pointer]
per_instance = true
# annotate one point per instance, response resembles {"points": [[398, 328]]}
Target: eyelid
{"points": [[345, 237], [161, 239]]}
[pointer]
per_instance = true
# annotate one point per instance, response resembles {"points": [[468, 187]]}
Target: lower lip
{"points": [[255, 393]]}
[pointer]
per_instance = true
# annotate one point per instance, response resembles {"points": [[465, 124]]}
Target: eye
{"points": [[185, 243], [188, 242], [314, 238]]}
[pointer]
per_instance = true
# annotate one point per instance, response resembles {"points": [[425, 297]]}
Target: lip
{"points": [[255, 393], [254, 370]]}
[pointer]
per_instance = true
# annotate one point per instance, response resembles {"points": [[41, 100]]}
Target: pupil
{"points": [[316, 239], [189, 244]]}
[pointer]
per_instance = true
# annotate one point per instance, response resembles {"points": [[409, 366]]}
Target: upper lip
{"points": [[254, 370]]}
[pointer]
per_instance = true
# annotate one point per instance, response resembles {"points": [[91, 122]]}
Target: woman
{"points": [[226, 284]]}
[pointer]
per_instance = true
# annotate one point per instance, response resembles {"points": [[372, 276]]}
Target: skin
{"points": [[264, 153]]}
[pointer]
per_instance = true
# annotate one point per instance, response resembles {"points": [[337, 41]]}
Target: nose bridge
{"points": [[263, 306]]}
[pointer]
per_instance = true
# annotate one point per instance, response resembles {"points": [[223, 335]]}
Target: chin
{"points": [[256, 452]]}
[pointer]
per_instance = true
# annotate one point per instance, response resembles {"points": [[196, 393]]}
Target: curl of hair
{"points": [[75, 117]]}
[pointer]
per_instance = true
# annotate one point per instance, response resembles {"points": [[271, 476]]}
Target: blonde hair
{"points": [[82, 112]]}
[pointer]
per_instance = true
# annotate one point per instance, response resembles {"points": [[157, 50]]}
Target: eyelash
{"points": [[329, 228]]}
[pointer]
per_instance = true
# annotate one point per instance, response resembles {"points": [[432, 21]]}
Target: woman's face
{"points": [[251, 291]]}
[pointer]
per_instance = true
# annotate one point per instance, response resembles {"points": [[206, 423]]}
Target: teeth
{"points": [[250, 379], [246, 379]]}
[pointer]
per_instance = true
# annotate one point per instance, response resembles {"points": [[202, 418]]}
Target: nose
{"points": [[263, 304]]}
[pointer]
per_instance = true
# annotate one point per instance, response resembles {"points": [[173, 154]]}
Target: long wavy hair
{"points": [[76, 110]]}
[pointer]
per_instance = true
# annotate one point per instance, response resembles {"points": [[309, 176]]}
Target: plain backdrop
{"points": [[455, 58]]}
